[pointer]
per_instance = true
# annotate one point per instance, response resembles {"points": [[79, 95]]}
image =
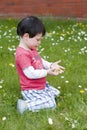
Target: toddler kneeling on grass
{"points": [[32, 69]]}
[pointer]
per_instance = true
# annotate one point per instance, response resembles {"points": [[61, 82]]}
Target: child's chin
{"points": [[33, 48]]}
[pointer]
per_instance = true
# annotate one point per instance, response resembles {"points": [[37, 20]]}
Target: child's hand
{"points": [[60, 71], [57, 67], [55, 64], [53, 71]]}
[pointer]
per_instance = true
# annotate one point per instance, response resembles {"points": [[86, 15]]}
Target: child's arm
{"points": [[46, 64], [54, 65], [49, 68], [32, 73]]}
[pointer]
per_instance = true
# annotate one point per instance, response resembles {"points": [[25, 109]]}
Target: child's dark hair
{"points": [[31, 25]]}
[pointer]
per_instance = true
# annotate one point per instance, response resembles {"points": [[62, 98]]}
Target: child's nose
{"points": [[39, 42]]}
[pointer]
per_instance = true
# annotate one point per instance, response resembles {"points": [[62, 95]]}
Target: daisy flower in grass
{"points": [[82, 91], [85, 89], [66, 81], [11, 64], [50, 121], [1, 81], [3, 118], [0, 86]]}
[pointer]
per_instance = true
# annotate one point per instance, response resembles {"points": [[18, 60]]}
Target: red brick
{"points": [[64, 8]]}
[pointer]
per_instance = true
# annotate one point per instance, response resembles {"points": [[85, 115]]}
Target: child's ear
{"points": [[26, 35]]}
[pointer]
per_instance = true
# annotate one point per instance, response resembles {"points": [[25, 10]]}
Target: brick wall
{"points": [[59, 8]]}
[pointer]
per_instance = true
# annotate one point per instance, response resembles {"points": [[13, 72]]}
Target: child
{"points": [[32, 69]]}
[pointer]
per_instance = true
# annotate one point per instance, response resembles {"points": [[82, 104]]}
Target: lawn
{"points": [[65, 40]]}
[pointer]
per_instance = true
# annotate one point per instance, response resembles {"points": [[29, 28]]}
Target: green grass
{"points": [[65, 41]]}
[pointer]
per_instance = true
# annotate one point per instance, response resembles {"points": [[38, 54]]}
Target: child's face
{"points": [[34, 42]]}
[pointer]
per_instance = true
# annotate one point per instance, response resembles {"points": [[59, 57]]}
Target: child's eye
{"points": [[38, 40]]}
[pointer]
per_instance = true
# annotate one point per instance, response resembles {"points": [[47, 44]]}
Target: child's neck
{"points": [[23, 45]]}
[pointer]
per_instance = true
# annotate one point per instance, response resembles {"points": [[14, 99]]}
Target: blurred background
{"points": [[52, 8]]}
